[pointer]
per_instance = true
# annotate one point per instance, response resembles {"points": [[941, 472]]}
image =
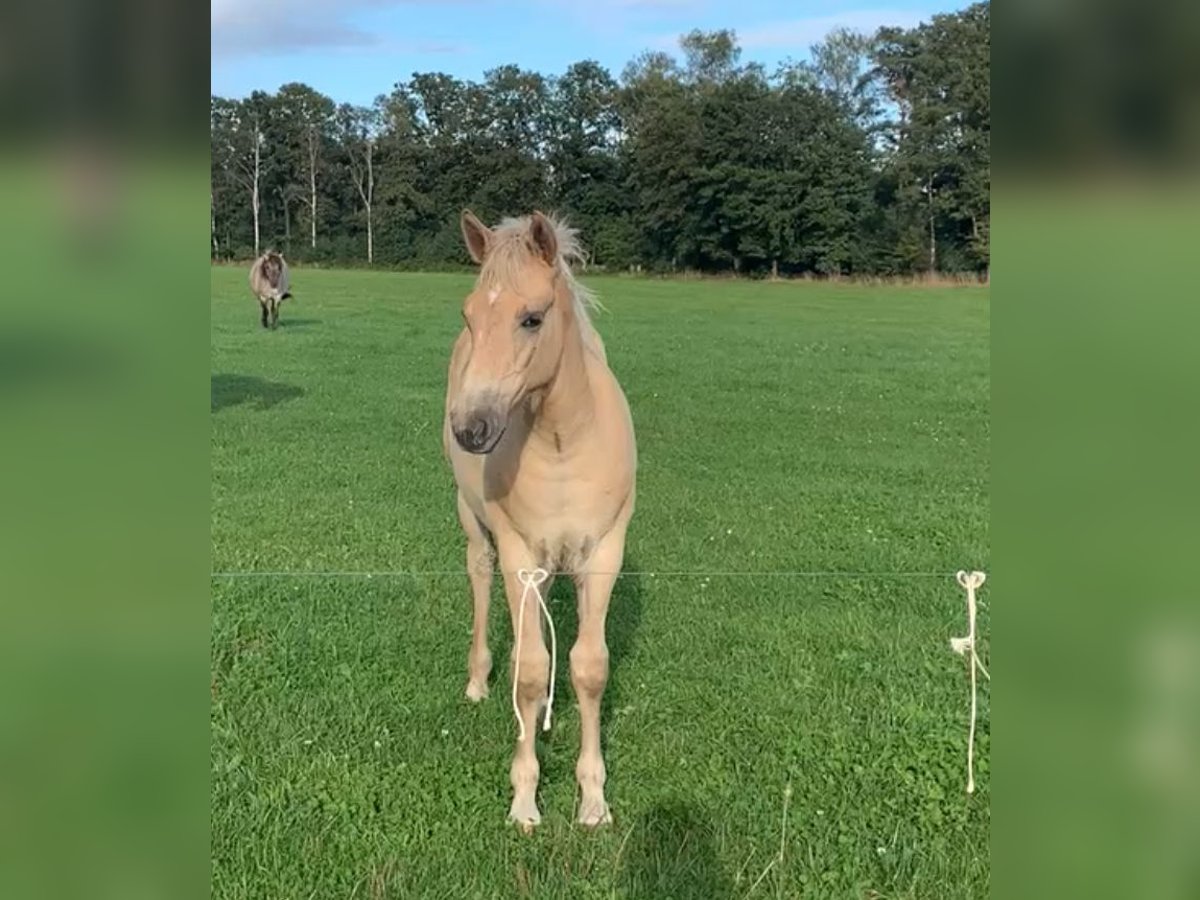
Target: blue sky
{"points": [[355, 49]]}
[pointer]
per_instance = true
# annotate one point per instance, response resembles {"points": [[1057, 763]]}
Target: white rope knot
{"points": [[970, 582], [971, 579], [531, 580]]}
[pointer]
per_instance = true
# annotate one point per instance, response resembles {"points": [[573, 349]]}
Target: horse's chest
{"points": [[561, 550], [561, 522]]}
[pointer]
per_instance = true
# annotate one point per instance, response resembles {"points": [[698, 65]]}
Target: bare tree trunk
{"points": [[254, 189], [370, 198], [312, 203], [364, 183], [370, 239], [287, 224], [312, 188], [932, 232], [212, 224], [774, 270]]}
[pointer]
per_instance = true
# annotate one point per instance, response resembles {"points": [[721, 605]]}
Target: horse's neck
{"points": [[567, 408]]}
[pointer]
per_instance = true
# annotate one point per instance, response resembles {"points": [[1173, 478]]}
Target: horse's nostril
{"points": [[475, 435]]}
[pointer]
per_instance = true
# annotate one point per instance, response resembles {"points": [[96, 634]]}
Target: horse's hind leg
{"points": [[589, 672], [479, 568]]}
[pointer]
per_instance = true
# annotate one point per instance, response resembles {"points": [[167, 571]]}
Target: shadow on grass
{"points": [[672, 854], [232, 390], [297, 323]]}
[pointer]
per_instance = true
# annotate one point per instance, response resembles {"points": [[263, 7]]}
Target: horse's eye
{"points": [[532, 322]]}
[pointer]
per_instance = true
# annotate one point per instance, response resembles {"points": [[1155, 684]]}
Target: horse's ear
{"points": [[476, 235], [542, 232]]}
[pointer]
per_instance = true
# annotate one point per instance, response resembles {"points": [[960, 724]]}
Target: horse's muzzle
{"points": [[480, 433]]}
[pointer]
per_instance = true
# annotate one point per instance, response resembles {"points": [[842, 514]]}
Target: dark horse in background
{"points": [[269, 281]]}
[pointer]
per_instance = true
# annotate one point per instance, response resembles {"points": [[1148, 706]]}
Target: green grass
{"points": [[781, 427]]}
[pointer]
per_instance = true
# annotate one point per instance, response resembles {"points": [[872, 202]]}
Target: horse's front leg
{"points": [[479, 569], [532, 678], [589, 672]]}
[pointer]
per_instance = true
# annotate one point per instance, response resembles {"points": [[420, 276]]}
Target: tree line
{"points": [[870, 158]]}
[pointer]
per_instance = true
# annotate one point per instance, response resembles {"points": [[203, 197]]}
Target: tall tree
{"points": [[710, 56], [307, 116], [840, 65], [584, 170], [936, 75], [238, 136], [358, 130], [661, 151], [407, 208]]}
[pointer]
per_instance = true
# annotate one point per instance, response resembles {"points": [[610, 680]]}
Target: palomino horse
{"points": [[540, 437], [269, 281]]}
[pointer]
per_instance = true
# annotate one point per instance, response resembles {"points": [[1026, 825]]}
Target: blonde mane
{"points": [[511, 248]]}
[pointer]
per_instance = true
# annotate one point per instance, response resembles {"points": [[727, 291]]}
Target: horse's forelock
{"points": [[513, 248]]}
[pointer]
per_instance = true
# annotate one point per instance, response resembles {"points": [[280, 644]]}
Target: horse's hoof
{"points": [[594, 815], [476, 691], [525, 815]]}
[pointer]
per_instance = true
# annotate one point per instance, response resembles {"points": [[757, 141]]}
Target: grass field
{"points": [[781, 428]]}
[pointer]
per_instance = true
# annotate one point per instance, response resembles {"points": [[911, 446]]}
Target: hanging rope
{"points": [[970, 581], [531, 580]]}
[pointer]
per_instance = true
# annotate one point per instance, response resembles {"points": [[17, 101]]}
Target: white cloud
{"points": [[271, 27]]}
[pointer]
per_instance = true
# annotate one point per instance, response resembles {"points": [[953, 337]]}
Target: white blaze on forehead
{"points": [[493, 295]]}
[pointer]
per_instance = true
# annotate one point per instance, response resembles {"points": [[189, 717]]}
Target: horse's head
{"points": [[517, 316], [272, 266]]}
